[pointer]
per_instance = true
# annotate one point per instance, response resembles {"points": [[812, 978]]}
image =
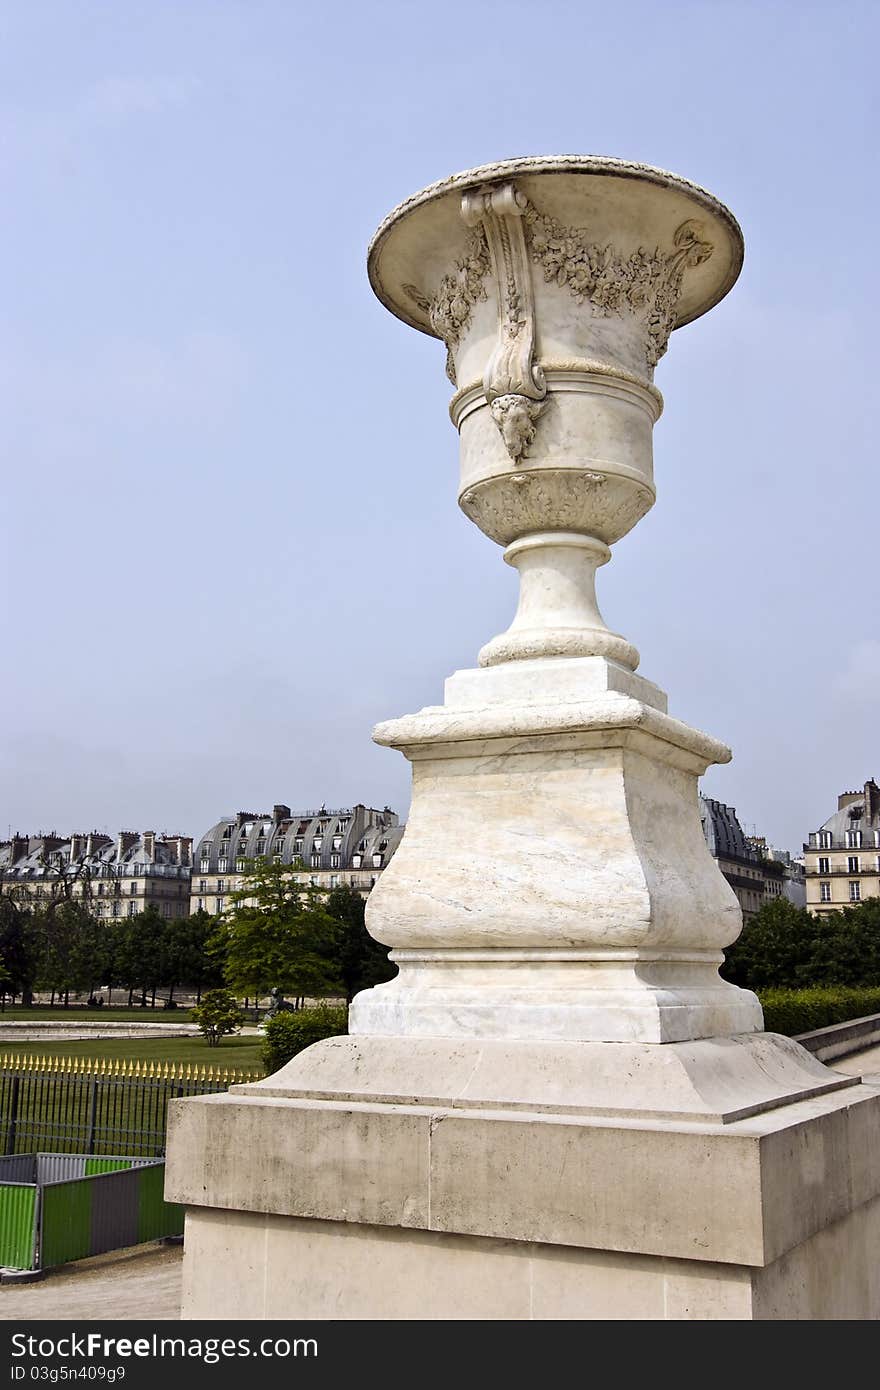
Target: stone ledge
{"points": [[743, 1193]]}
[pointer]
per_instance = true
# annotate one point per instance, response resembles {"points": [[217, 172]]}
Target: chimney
{"points": [[872, 801], [847, 799], [19, 848], [149, 838], [184, 849], [124, 841], [77, 846], [280, 813]]}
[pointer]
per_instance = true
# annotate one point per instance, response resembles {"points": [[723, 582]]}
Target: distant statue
{"points": [[279, 1004]]}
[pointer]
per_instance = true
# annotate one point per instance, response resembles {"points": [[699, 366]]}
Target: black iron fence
{"points": [[79, 1106]]}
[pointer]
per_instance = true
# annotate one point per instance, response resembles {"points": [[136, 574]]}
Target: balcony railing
{"points": [[866, 871]]}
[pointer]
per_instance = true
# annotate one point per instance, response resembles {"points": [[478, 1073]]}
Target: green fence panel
{"points": [[17, 1211], [106, 1165], [66, 1222], [156, 1217]]}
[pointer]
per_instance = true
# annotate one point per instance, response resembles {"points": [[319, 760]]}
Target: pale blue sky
{"points": [[230, 538]]}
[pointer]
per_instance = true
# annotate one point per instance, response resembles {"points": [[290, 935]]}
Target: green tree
{"points": [[278, 934], [18, 948], [138, 954], [774, 948], [62, 931], [360, 961], [217, 1015], [195, 956], [785, 947]]}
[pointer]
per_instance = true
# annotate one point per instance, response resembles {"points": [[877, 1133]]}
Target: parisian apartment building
{"points": [[117, 876], [843, 856], [756, 871], [324, 848]]}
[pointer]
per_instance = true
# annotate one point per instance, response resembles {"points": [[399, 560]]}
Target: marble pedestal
{"points": [[557, 1109]]}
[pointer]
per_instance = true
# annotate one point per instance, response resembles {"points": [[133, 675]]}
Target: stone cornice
{"points": [[612, 714]]}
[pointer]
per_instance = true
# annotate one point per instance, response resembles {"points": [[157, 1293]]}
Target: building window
{"points": [[316, 861], [100, 890], [824, 839], [824, 866], [314, 880], [116, 909], [852, 864], [377, 861], [205, 866], [337, 841], [261, 847], [132, 909], [334, 880], [356, 860], [334, 861], [221, 886], [854, 839], [825, 892], [855, 892], [222, 865], [219, 904], [297, 845], [200, 904], [203, 885]]}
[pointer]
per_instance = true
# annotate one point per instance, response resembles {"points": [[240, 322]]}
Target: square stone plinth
{"points": [[304, 1208]]}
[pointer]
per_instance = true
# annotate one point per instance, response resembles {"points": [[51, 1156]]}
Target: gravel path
{"points": [[142, 1282]]}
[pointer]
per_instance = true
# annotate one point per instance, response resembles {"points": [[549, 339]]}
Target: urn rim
{"points": [[595, 166]]}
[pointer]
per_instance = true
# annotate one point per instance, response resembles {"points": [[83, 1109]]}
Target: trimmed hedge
{"points": [[289, 1033], [792, 1011]]}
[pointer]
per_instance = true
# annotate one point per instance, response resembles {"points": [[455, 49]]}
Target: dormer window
{"points": [[356, 861], [377, 861]]}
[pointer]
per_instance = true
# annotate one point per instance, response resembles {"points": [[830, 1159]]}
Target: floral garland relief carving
{"points": [[646, 282], [450, 309]]}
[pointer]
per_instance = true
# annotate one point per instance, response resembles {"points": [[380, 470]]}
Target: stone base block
{"points": [[332, 1202], [254, 1266]]}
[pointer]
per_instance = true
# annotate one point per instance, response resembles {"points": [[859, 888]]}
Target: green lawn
{"points": [[239, 1052]]}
